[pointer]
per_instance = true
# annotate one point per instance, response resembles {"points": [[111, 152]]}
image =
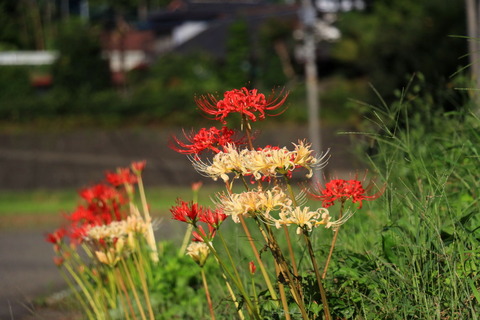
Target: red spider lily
{"points": [[252, 268], [250, 103], [201, 235], [206, 139], [212, 218], [58, 261], [339, 189], [138, 166], [100, 193], [57, 236], [197, 185], [184, 211], [121, 177]]}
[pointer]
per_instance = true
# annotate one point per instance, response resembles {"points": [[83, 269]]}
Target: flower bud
{"points": [[199, 252], [252, 268]]}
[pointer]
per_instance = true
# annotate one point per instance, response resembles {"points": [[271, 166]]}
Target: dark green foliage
{"points": [[238, 67], [80, 65], [399, 38], [274, 36], [422, 263]]}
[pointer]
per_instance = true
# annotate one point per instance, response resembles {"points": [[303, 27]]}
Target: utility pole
{"points": [[473, 12], [309, 17]]}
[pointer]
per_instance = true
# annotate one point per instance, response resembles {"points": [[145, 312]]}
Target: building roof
{"points": [[219, 15]]}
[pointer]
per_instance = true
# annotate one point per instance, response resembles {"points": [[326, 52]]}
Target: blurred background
{"points": [[88, 85]]}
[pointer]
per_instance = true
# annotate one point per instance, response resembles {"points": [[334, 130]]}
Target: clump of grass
{"points": [[424, 263]]}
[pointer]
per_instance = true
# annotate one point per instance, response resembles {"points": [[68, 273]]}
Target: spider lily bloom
{"points": [[303, 218], [212, 218], [253, 203], [342, 190], [199, 252], [118, 229], [186, 211], [206, 139], [303, 157], [252, 268], [202, 236], [57, 236], [138, 166], [222, 164], [123, 176], [261, 163], [250, 103], [271, 161], [112, 254]]}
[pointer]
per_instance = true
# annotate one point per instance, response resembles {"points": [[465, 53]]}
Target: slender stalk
{"points": [[248, 131], [186, 240], [143, 280], [85, 291], [123, 289], [287, 235], [79, 297], [255, 252], [293, 284], [254, 293], [323, 295], [186, 237], [207, 293], [220, 235], [283, 298], [134, 289], [332, 245], [239, 286], [124, 305], [150, 235], [259, 260], [234, 298]]}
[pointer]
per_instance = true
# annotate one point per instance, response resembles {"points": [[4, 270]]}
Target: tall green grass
{"points": [[423, 255]]}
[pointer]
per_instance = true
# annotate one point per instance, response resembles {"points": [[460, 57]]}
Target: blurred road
{"points": [[26, 272]]}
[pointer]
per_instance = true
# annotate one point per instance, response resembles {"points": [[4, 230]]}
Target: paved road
{"points": [[26, 272]]}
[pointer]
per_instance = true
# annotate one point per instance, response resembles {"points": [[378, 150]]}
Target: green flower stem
{"points": [[237, 283], [290, 251], [332, 245], [283, 297], [254, 293], [234, 298], [259, 260], [207, 293], [293, 284], [248, 130], [86, 292], [323, 295], [287, 234], [220, 235], [126, 272], [90, 315], [186, 240], [123, 288], [141, 272], [150, 235], [189, 230]]}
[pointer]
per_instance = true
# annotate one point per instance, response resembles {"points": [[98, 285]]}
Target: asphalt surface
{"points": [[27, 272]]}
